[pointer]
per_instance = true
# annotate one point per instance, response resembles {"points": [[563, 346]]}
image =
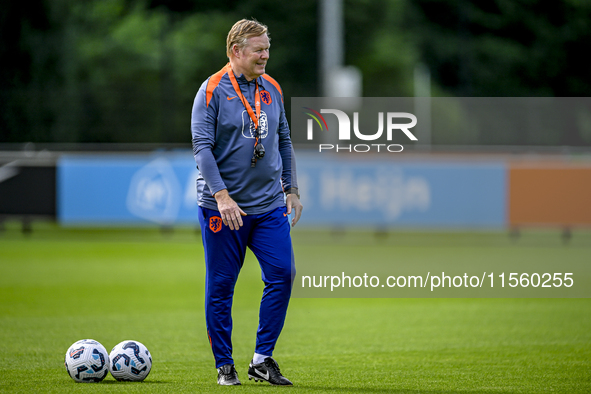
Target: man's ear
{"points": [[236, 50]]}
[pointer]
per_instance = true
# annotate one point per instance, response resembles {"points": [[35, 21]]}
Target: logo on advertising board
{"points": [[154, 192]]}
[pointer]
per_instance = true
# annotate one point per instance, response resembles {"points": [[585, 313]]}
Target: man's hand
{"points": [[229, 210], [293, 202]]}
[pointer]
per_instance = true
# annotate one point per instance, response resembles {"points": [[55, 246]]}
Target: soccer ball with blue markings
{"points": [[87, 361], [130, 361]]}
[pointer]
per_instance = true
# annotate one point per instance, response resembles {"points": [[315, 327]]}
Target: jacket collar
{"points": [[243, 81]]}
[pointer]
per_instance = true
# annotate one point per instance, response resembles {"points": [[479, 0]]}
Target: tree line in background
{"points": [[128, 70]]}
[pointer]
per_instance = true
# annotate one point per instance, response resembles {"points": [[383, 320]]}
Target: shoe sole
{"points": [[259, 379]]}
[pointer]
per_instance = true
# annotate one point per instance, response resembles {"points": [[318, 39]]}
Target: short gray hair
{"points": [[242, 31]]}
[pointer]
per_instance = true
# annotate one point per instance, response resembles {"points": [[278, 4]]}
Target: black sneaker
{"points": [[227, 375], [267, 371]]}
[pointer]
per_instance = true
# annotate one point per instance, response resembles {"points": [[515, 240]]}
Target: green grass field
{"points": [[61, 285]]}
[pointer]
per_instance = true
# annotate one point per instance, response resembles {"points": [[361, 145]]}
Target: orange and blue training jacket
{"points": [[224, 138]]}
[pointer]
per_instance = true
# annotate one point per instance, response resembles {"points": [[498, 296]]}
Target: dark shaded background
{"points": [[127, 70]]}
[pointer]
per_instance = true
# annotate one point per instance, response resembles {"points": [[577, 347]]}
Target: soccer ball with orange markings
{"points": [[87, 361]]}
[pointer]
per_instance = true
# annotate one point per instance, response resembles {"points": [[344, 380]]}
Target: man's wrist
{"points": [[293, 190], [221, 194]]}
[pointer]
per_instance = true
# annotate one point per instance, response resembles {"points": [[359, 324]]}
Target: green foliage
{"points": [[384, 52], [128, 70], [504, 48], [136, 69]]}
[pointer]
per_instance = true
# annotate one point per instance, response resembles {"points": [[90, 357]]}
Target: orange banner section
{"points": [[549, 194]]}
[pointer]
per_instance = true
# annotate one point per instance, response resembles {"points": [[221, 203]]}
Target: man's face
{"points": [[254, 57]]}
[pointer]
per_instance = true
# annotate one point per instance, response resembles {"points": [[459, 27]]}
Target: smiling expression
{"points": [[252, 59]]}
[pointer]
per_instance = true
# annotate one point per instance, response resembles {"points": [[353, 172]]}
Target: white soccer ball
{"points": [[130, 361], [87, 361]]}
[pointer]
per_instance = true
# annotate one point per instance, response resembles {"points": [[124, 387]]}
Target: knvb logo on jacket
{"points": [[266, 97], [394, 124], [248, 130]]}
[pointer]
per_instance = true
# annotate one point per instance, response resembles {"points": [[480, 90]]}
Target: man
{"points": [[246, 190]]}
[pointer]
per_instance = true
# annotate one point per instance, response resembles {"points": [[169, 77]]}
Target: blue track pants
{"points": [[267, 235]]}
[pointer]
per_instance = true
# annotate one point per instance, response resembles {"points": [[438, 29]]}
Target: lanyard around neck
{"points": [[257, 97]]}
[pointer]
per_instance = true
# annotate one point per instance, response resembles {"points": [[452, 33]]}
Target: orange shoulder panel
{"points": [[213, 82], [274, 82]]}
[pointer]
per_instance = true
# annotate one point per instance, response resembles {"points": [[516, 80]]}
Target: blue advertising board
{"points": [[127, 189], [393, 193], [160, 189]]}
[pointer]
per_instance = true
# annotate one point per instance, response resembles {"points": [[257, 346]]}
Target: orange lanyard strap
{"points": [[257, 97]]}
